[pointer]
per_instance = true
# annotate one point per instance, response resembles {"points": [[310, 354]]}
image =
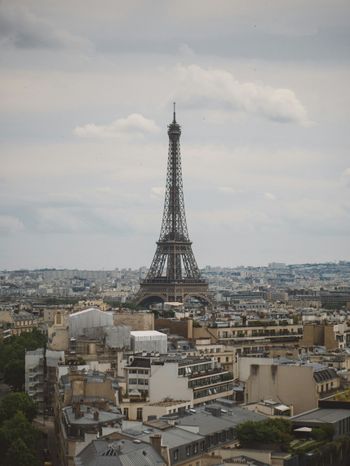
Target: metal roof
{"points": [[208, 423], [323, 415], [102, 452]]}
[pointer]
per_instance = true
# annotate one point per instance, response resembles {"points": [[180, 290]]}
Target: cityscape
{"points": [[225, 339]]}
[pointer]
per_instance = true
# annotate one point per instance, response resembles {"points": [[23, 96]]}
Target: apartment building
{"points": [[294, 384], [252, 339], [15, 323], [40, 377], [331, 336], [85, 405]]}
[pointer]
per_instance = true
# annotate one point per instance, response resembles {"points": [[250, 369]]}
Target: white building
{"points": [[40, 376], [87, 319], [150, 341]]}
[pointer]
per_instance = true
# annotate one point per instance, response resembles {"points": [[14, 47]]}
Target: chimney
{"points": [[156, 442], [96, 415], [77, 411]]}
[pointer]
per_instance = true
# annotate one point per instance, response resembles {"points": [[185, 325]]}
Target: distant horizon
{"points": [[30, 269]]}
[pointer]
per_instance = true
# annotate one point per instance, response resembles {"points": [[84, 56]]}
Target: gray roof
{"points": [[242, 459], [171, 437], [87, 417], [209, 424], [326, 415], [124, 452]]}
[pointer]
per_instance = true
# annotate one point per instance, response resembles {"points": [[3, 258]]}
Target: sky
{"points": [[263, 97]]}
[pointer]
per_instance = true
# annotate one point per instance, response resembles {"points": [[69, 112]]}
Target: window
{"points": [[139, 414], [188, 451], [126, 413], [176, 455], [195, 448]]}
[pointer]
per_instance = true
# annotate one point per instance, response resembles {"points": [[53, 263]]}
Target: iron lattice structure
{"points": [[174, 273]]}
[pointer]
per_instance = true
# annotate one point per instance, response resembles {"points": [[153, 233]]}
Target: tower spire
{"points": [[174, 114]]}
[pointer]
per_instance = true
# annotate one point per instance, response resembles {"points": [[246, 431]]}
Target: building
{"points": [[40, 377], [140, 320], [186, 438], [198, 379], [292, 384], [57, 332], [149, 341], [85, 407], [331, 336], [15, 323], [338, 418], [251, 338], [87, 319], [80, 425]]}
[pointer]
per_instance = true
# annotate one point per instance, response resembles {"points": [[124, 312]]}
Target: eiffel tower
{"points": [[174, 274]]}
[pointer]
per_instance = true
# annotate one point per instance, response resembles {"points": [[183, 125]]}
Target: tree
{"points": [[12, 355], [273, 430], [13, 374], [19, 454], [16, 429], [14, 402]]}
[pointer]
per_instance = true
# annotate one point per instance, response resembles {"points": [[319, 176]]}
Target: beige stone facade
{"points": [[136, 320]]}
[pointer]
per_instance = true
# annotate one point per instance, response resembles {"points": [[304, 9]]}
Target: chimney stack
{"points": [[156, 442], [77, 411]]}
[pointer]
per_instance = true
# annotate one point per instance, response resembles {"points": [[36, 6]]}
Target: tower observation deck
{"points": [[174, 273]]}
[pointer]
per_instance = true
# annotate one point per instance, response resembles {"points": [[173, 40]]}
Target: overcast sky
{"points": [[263, 97]]}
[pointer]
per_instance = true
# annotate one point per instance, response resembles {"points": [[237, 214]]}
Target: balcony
{"points": [[210, 381], [196, 375]]}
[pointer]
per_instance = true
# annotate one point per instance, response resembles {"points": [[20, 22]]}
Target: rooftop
{"points": [[323, 415], [168, 402], [102, 452], [147, 333], [208, 423], [88, 418]]}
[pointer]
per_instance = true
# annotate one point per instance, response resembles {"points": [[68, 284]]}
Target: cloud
{"points": [[157, 191], [135, 124], [345, 177], [270, 196], [229, 190], [24, 29], [217, 88], [10, 225]]}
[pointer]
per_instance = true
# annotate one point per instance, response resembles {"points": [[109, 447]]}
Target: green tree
{"points": [[12, 355], [14, 402], [273, 430], [15, 429], [13, 374], [19, 454]]}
